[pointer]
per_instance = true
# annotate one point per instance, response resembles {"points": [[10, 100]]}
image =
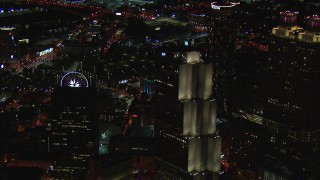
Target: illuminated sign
{"points": [[74, 83], [74, 79]]}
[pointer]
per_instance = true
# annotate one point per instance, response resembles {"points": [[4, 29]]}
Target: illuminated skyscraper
{"points": [[199, 116], [193, 151]]}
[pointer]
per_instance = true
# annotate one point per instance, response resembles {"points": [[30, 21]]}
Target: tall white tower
{"points": [[199, 116]]}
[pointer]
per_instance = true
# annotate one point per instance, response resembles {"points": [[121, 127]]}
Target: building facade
{"points": [[290, 98], [73, 127], [221, 52], [198, 142]]}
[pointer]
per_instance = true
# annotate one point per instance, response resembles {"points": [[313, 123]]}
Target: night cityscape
{"points": [[159, 90]]}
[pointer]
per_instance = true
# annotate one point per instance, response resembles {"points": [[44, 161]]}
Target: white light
{"points": [[123, 81], [73, 83]]}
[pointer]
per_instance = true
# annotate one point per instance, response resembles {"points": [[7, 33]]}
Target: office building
{"points": [[291, 98], [198, 142], [221, 51], [73, 127]]}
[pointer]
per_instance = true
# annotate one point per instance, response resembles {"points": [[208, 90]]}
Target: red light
{"points": [[134, 115]]}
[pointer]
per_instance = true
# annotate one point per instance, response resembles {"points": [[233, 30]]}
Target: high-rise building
{"points": [[221, 52], [73, 127], [199, 115], [242, 130], [291, 98], [198, 142]]}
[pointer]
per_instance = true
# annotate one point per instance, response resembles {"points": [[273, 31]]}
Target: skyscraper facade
{"points": [[221, 52], [73, 127], [198, 141], [199, 116], [291, 98]]}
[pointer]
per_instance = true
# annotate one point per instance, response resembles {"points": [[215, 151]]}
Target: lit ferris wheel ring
{"points": [[74, 79]]}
